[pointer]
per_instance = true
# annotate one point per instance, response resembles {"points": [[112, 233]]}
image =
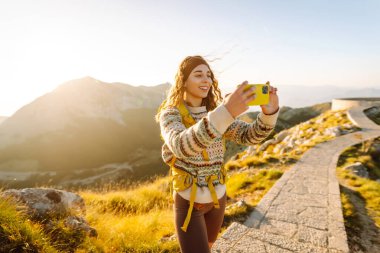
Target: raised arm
{"points": [[186, 142], [247, 134]]}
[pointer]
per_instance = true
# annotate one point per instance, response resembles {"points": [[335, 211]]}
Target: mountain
{"points": [[297, 96], [86, 131], [84, 124], [2, 119]]}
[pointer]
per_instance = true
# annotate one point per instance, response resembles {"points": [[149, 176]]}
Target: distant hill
{"points": [[2, 118], [84, 124], [296, 96], [87, 130]]}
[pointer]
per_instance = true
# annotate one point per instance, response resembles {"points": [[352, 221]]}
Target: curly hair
{"points": [[176, 92]]}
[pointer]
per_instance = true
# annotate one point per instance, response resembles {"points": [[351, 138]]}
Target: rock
{"points": [[168, 238], [358, 169], [286, 149], [238, 204], [266, 144], [307, 142], [287, 138], [375, 152], [48, 202], [48, 206], [333, 131], [315, 135], [251, 150], [319, 121], [347, 125], [78, 223], [277, 149], [281, 136]]}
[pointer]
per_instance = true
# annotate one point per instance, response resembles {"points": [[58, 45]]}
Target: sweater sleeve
{"points": [[248, 134], [185, 142]]}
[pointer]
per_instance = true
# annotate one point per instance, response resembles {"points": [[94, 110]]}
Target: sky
{"points": [[287, 42]]}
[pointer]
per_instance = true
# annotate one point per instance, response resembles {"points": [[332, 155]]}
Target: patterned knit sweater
{"points": [[186, 144]]}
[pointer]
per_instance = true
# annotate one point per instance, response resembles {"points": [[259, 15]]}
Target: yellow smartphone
{"points": [[262, 94]]}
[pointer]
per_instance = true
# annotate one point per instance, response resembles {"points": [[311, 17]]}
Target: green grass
{"points": [[366, 188], [18, 234], [142, 199], [254, 185], [348, 209], [310, 132], [126, 220]]}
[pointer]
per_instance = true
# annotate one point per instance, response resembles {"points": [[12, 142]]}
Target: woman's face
{"points": [[199, 82]]}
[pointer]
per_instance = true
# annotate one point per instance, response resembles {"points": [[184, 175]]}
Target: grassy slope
{"points": [[360, 199], [139, 218]]}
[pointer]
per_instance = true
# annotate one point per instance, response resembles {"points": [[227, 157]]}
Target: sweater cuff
{"points": [[269, 120], [220, 118]]}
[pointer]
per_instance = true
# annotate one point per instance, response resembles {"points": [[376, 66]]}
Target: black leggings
{"points": [[204, 225]]}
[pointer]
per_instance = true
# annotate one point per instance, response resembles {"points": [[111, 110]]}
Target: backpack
{"points": [[181, 180]]}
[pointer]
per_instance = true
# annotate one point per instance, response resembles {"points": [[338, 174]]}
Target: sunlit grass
{"points": [[253, 184], [368, 189], [304, 135], [137, 218], [133, 233], [18, 233]]}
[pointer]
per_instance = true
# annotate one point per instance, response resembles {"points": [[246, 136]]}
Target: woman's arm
{"points": [[247, 134], [186, 142]]}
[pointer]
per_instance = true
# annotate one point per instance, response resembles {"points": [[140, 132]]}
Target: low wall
{"points": [[347, 103]]}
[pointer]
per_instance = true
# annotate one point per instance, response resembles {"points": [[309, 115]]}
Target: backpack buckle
{"points": [[202, 180]]}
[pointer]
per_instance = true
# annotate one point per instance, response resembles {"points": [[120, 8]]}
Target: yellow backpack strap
{"points": [[171, 176], [188, 121], [192, 199], [212, 190]]}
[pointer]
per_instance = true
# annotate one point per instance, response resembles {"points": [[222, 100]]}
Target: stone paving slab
{"points": [[255, 240], [302, 212]]}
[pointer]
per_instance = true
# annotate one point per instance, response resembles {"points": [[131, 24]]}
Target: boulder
{"points": [[281, 136], [277, 149], [358, 169], [375, 151], [333, 131], [47, 205], [240, 203], [266, 144], [320, 120]]}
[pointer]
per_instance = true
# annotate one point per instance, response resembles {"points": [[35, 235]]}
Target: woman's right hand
{"points": [[236, 102]]}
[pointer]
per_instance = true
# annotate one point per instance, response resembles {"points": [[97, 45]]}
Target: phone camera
{"points": [[265, 89]]}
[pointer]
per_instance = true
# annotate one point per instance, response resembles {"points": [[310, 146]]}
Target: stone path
{"points": [[302, 212]]}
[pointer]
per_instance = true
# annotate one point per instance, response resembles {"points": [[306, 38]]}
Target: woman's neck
{"points": [[191, 101]]}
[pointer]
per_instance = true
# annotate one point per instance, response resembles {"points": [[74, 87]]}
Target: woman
{"points": [[194, 122]]}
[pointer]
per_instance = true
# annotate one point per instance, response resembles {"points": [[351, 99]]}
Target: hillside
{"points": [[83, 126], [288, 117], [144, 214], [2, 119], [88, 132]]}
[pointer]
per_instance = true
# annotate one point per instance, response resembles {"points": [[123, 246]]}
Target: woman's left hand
{"points": [[272, 106]]}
